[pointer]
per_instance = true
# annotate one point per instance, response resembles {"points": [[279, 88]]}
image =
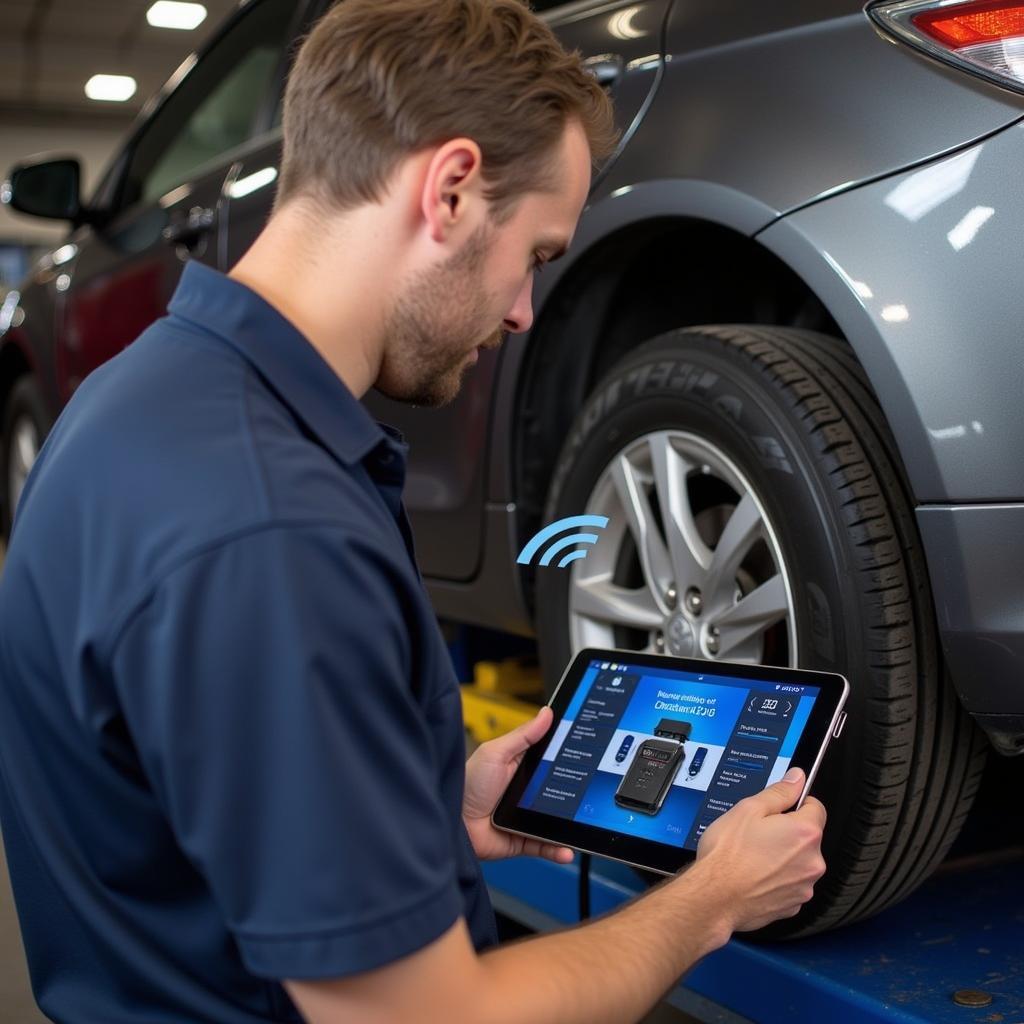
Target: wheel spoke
{"points": [[690, 556], [25, 442], [598, 598], [743, 528], [754, 614], [654, 558]]}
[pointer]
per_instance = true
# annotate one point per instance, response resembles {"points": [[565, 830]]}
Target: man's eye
{"points": [[538, 263]]}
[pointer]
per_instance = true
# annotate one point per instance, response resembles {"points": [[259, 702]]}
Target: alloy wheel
{"points": [[689, 564]]}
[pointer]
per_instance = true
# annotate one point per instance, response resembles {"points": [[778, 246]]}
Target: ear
{"points": [[451, 188]]}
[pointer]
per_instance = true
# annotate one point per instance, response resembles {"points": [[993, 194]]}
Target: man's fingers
{"points": [[535, 848], [814, 810], [781, 795], [559, 854]]}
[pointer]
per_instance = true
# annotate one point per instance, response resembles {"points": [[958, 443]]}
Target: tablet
{"points": [[646, 750]]}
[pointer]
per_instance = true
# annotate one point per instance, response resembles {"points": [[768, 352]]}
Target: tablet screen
{"points": [[660, 753]]}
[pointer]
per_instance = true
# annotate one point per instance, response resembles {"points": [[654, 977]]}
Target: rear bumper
{"points": [[975, 559]]}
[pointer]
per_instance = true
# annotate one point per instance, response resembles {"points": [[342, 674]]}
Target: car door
{"points": [[163, 197]]}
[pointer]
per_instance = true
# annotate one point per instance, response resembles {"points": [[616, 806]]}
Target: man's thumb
{"points": [[781, 795], [525, 735]]}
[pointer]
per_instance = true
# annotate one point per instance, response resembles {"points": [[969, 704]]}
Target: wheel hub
{"points": [[680, 637]]}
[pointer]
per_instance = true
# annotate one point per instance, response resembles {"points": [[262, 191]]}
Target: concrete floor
{"points": [[16, 1003]]}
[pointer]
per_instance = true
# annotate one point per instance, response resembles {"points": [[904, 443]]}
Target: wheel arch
{"points": [[576, 339], [634, 247]]}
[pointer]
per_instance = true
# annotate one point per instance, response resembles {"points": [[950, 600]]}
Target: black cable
{"points": [[584, 886]]}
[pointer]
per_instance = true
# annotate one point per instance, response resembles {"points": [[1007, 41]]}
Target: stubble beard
{"points": [[434, 325]]}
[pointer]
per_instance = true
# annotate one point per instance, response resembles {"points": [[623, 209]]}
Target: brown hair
{"points": [[377, 80]]}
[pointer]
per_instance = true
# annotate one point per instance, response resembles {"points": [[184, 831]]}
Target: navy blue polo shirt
{"points": [[231, 737]]}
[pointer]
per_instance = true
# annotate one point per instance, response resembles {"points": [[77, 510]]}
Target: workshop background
{"points": [[50, 52]]}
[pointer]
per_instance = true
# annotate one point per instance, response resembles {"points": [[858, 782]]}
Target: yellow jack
{"points": [[493, 703]]}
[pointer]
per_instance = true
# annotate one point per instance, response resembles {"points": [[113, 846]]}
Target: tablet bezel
{"points": [[647, 853]]}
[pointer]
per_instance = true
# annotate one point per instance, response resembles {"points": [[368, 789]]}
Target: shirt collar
{"points": [[217, 304]]}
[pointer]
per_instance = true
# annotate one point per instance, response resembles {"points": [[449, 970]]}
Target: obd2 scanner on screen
{"points": [[624, 736], [654, 768]]}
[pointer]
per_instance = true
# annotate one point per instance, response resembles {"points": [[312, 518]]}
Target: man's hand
{"points": [[766, 862], [488, 773]]}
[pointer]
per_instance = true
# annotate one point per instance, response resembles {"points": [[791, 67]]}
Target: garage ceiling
{"points": [[50, 48]]}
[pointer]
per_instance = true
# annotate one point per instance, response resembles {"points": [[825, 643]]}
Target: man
{"points": [[231, 740]]}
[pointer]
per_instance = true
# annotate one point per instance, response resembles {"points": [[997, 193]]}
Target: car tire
{"points": [[789, 417], [25, 426]]}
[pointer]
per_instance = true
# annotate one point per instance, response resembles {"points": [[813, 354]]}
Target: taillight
{"points": [[985, 37]]}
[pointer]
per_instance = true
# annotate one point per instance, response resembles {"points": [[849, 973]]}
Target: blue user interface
{"points": [[741, 738]]}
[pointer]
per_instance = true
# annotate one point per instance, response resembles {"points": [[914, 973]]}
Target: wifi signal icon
{"points": [[540, 538]]}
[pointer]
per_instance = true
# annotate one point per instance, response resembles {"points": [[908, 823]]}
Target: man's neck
{"points": [[312, 275]]}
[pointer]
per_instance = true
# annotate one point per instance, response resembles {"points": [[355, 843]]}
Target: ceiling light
{"points": [[175, 14], [113, 88]]}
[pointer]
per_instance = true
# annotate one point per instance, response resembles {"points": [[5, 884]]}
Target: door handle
{"points": [[188, 230], [607, 68]]}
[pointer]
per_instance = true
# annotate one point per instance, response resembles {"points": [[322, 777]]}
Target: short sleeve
{"points": [[266, 685]]}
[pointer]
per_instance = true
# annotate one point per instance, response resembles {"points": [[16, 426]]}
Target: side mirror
{"points": [[45, 188]]}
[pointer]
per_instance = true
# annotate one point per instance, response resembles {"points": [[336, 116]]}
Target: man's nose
{"points": [[520, 317]]}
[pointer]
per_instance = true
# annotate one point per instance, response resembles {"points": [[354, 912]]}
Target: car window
{"points": [[216, 106], [546, 5]]}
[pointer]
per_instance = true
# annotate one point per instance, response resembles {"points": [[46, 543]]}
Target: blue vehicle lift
{"points": [[959, 937]]}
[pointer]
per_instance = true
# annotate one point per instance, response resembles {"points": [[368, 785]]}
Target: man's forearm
{"points": [[611, 970], [758, 865]]}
